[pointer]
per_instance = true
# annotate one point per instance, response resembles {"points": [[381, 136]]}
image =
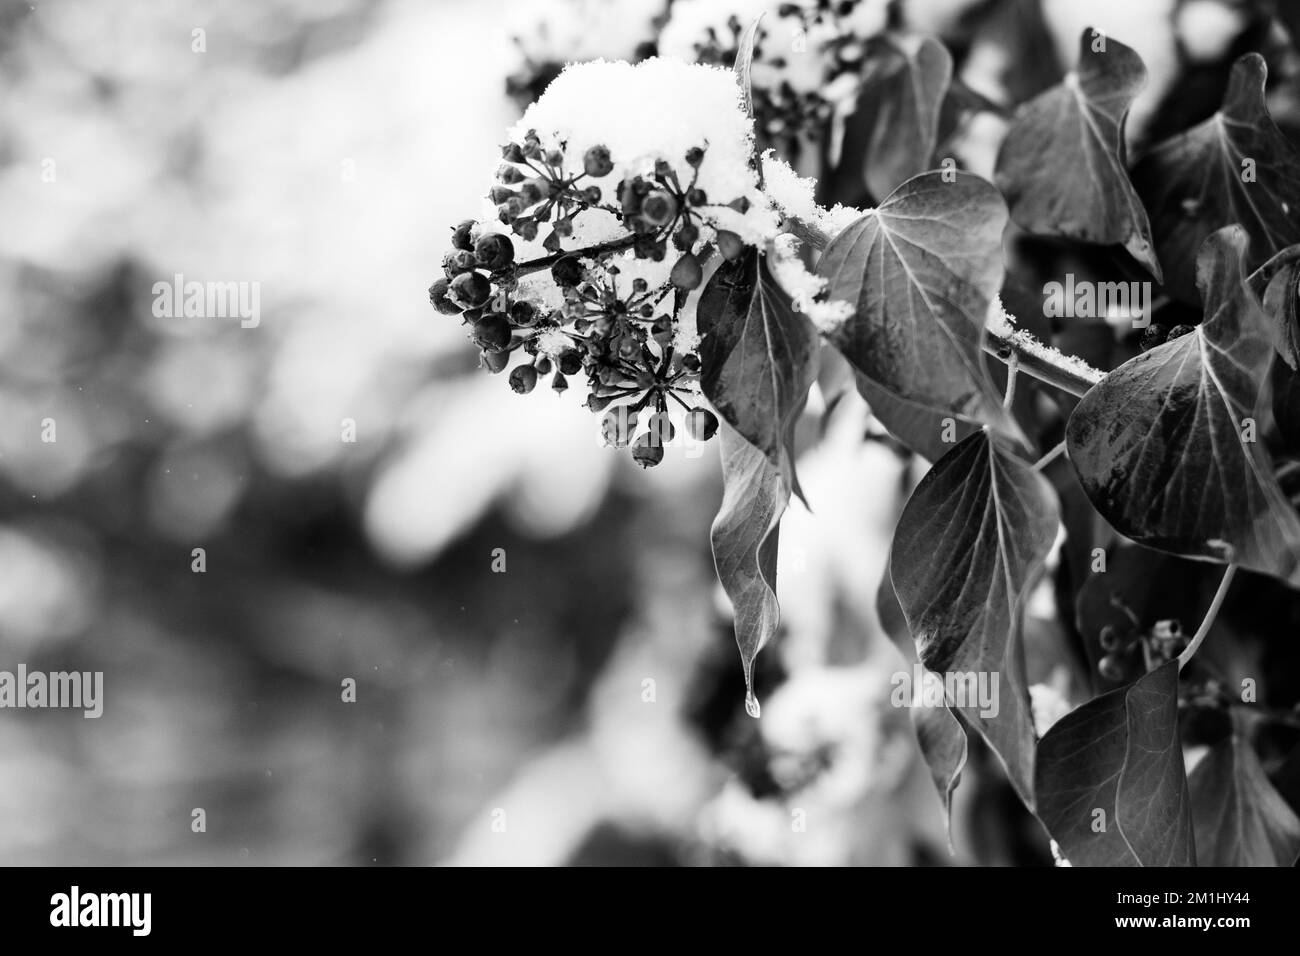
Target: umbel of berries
{"points": [[584, 267]]}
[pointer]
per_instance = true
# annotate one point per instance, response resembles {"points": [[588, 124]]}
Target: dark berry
{"points": [[618, 426], [438, 296], [597, 162], [559, 382], [646, 452], [460, 235], [571, 363], [543, 365], [525, 228], [661, 428], [531, 193], [494, 362], [1110, 668], [510, 175], [701, 424], [687, 273], [568, 271], [470, 289], [691, 362], [1109, 638], [512, 153], [697, 197], [1154, 335], [694, 156], [730, 245], [494, 251], [492, 333], [523, 314], [523, 379], [741, 205], [658, 208], [499, 194], [591, 195], [1178, 331], [462, 261]]}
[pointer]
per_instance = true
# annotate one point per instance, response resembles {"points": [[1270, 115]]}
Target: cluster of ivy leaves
{"points": [[1183, 449]]}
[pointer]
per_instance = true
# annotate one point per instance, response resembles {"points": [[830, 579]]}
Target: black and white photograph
{"points": [[650, 434]]}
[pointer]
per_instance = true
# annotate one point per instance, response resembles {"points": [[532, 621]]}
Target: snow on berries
{"points": [[616, 195], [807, 56]]}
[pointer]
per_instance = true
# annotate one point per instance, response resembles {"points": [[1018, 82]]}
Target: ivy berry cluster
{"points": [[620, 333]]}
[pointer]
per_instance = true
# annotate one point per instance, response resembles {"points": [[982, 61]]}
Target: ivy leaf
{"points": [[744, 538], [898, 110], [929, 433], [759, 357], [939, 732], [1193, 184], [1109, 778], [1165, 445], [1238, 817], [968, 548], [1062, 164], [920, 271]]}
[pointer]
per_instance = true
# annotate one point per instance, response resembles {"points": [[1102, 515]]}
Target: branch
{"points": [[1066, 372]]}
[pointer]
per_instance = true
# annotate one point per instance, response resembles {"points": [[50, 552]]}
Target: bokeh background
{"points": [[590, 695]]}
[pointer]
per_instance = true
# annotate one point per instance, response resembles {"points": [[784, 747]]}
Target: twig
{"points": [[1050, 457], [1208, 621]]}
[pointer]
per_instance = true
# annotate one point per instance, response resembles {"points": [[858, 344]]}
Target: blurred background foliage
{"points": [[321, 148]]}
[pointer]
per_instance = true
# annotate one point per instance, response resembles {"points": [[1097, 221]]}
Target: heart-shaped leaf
{"points": [[1237, 815], [1109, 778], [1236, 167], [1166, 446], [898, 109], [759, 357], [968, 548], [744, 538], [1062, 164], [939, 732], [920, 271]]}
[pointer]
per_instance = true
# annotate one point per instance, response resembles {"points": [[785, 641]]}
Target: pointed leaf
{"points": [[1193, 184], [1109, 778], [898, 109], [939, 732], [744, 538], [920, 271], [759, 357], [968, 549], [1160, 443], [1062, 164], [1238, 817]]}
